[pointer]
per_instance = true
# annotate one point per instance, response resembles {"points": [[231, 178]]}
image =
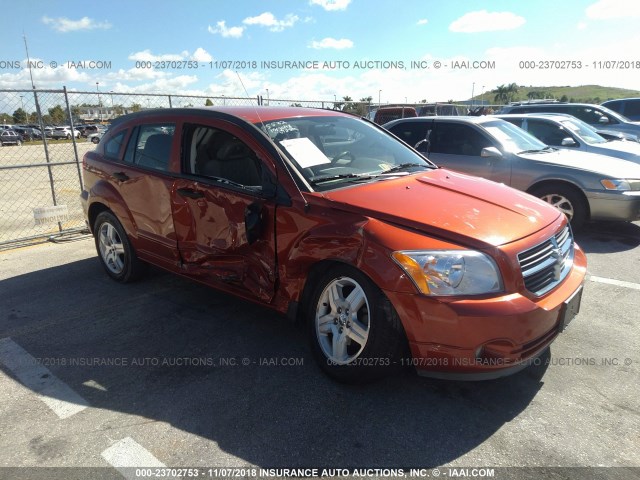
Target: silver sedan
{"points": [[565, 131], [585, 186]]}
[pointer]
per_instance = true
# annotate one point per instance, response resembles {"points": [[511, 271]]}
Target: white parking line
{"points": [[126, 455], [611, 281], [58, 396]]}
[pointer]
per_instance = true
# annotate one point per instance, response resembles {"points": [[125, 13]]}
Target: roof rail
{"points": [[541, 100]]}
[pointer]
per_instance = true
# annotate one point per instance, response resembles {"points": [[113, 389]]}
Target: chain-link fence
{"points": [[40, 164], [40, 174]]}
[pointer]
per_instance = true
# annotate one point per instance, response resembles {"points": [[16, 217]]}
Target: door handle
{"points": [[123, 177], [188, 192]]}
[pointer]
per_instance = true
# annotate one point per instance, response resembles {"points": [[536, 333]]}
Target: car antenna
{"points": [[284, 160]]}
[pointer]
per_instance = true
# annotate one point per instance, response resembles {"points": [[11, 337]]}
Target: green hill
{"points": [[582, 93]]}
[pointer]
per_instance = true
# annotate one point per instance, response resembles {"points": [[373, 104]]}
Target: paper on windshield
{"points": [[305, 152]]}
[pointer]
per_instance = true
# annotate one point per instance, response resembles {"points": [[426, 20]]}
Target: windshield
{"points": [[512, 138], [618, 116], [584, 130], [329, 152]]}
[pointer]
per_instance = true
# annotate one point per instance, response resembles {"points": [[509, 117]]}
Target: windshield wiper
{"points": [[329, 178], [402, 166], [538, 150]]}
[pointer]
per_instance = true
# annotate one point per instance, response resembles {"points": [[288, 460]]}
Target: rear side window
{"points": [[150, 146], [411, 132], [113, 145]]}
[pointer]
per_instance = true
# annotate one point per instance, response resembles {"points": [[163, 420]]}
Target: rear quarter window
{"points": [[113, 146]]}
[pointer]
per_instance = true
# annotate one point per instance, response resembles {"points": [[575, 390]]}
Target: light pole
{"points": [[22, 102], [99, 102], [379, 102], [473, 87], [267, 97], [482, 96], [112, 109]]}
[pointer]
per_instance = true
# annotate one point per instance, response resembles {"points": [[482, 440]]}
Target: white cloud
{"points": [[267, 19], [227, 32], [62, 24], [134, 75], [147, 56], [609, 9], [201, 55], [582, 25], [483, 21], [331, 43], [423, 21], [331, 5]]}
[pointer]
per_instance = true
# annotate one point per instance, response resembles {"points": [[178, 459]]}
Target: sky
{"points": [[392, 51]]}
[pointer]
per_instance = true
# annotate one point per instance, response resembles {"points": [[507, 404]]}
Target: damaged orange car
{"points": [[388, 260]]}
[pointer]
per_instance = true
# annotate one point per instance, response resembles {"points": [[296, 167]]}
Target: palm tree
{"points": [[501, 94]]}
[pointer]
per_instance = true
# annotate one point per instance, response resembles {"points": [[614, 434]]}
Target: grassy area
{"points": [[55, 142], [582, 93]]}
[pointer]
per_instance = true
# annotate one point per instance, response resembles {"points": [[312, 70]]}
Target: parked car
{"points": [[437, 109], [595, 115], [386, 114], [584, 186], [28, 134], [96, 136], [629, 107], [385, 257], [90, 129], [64, 132], [9, 137], [564, 131]]}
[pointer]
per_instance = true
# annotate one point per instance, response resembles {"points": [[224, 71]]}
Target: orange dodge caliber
{"points": [[388, 260]]}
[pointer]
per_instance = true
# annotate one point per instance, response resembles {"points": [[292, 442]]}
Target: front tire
{"points": [[116, 254], [565, 199], [355, 333]]}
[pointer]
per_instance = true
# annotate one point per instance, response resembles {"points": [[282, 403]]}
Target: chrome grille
{"points": [[547, 264]]}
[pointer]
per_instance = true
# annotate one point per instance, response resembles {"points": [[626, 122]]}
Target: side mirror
{"points": [[603, 119], [568, 142], [253, 221], [490, 152]]}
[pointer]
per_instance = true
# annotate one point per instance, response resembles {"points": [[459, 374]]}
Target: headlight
{"points": [[620, 185], [450, 272]]}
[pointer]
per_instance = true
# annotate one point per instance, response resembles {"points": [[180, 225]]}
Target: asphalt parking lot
{"points": [[168, 372]]}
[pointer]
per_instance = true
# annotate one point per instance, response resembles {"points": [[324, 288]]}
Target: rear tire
{"points": [[565, 199], [355, 333], [115, 252]]}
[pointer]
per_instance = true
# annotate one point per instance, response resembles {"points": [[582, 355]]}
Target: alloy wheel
{"points": [[342, 320], [561, 202], [111, 248]]}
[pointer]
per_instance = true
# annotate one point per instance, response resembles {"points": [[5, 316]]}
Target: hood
{"points": [[450, 205], [593, 162], [627, 150]]}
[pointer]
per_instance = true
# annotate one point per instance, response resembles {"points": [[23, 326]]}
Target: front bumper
{"points": [[623, 206], [487, 338]]}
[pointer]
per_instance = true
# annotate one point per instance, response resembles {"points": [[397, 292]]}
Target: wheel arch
{"points": [[563, 183], [103, 197]]}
